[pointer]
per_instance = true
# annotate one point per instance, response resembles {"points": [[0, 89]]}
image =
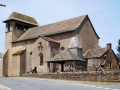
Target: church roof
{"points": [[23, 18], [54, 28], [95, 53], [65, 55]]}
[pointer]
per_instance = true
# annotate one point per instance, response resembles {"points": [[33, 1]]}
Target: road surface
{"points": [[15, 83]]}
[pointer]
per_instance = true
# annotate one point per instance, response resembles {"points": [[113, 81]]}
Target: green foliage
{"points": [[118, 47]]}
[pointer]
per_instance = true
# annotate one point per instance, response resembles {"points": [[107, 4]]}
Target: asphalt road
{"points": [[47, 84]]}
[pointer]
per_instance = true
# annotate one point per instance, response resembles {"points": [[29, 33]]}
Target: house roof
{"points": [[65, 55], [54, 28], [95, 53], [23, 18]]}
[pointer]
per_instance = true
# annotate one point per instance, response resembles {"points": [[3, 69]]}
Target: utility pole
{"points": [[2, 5]]}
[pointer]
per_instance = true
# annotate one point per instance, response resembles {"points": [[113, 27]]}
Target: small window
{"points": [[41, 59], [40, 43], [62, 48], [21, 26], [8, 27], [110, 64], [30, 53]]}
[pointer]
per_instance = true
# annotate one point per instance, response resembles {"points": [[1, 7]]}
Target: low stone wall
{"points": [[80, 76]]}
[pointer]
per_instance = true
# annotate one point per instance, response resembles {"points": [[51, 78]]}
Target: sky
{"points": [[104, 15]]}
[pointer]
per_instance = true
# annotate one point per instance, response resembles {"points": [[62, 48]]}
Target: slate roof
{"points": [[54, 28], [65, 55], [95, 53], [22, 18]]}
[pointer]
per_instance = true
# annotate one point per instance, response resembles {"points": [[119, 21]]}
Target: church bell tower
{"points": [[16, 25]]}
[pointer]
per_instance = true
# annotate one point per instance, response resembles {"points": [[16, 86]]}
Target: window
{"points": [[18, 26], [30, 53], [62, 48], [41, 58], [110, 64], [21, 26], [8, 27]]}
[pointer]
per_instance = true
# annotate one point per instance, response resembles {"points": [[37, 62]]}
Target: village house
{"points": [[56, 47], [102, 59]]}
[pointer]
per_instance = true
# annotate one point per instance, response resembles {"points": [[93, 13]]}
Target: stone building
{"points": [[102, 58], [54, 47]]}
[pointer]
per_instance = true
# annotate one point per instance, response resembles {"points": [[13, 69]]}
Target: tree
{"points": [[118, 47]]}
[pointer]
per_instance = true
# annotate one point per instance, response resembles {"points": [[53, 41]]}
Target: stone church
{"points": [[56, 47]]}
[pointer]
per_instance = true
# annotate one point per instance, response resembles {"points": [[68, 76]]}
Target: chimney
{"points": [[109, 45]]}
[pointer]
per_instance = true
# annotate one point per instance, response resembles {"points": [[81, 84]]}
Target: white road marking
{"points": [[87, 85]]}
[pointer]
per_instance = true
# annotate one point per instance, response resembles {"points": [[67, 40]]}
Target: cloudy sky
{"points": [[104, 15]]}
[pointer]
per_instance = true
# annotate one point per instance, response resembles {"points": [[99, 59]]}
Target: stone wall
{"points": [[80, 76]]}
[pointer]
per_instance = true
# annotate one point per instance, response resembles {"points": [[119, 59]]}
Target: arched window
{"points": [[41, 59]]}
